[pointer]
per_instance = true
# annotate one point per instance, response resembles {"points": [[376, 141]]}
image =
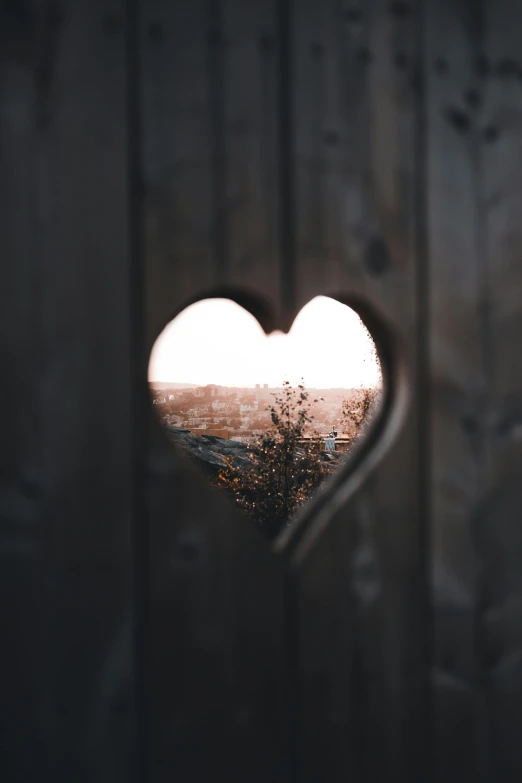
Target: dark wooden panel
{"points": [[458, 335], [251, 201], [355, 69], [229, 685], [363, 619], [217, 699], [67, 460], [216, 681], [211, 152], [497, 524], [178, 152]]}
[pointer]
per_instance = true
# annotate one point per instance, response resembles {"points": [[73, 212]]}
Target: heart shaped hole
{"points": [[268, 418]]}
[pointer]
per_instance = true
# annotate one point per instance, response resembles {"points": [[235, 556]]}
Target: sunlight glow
{"points": [[217, 341]]}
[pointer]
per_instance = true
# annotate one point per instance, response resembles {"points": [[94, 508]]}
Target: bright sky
{"points": [[217, 341]]}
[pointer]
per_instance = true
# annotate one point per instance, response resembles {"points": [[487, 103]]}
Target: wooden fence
{"points": [[154, 153]]}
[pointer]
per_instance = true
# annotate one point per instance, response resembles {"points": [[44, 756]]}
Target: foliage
{"points": [[285, 470], [358, 410]]}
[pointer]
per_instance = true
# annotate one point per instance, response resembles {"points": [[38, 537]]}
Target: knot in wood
{"points": [[458, 118]]}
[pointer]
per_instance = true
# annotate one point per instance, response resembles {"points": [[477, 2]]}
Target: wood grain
{"points": [[67, 461], [218, 703], [459, 376], [152, 153], [363, 620], [497, 526]]}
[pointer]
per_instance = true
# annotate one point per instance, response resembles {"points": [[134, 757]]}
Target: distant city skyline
{"points": [[217, 341], [180, 386]]}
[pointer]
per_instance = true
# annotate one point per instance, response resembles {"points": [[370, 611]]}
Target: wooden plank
{"points": [[459, 373], [211, 153], [217, 695], [363, 619], [217, 700], [67, 461], [251, 54], [177, 155], [498, 520]]}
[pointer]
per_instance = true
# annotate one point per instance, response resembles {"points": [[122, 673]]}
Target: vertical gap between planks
{"points": [[285, 23], [423, 360], [487, 359], [216, 45], [485, 319], [139, 393], [286, 159], [292, 671]]}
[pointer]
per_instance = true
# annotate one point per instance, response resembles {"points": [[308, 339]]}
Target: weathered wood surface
{"points": [[498, 523], [66, 498], [211, 153], [152, 153], [361, 585], [217, 695], [459, 386], [475, 137]]}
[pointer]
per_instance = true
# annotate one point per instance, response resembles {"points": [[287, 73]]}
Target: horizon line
{"points": [[189, 384]]}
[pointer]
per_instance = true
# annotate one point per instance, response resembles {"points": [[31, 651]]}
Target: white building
{"points": [[196, 421]]}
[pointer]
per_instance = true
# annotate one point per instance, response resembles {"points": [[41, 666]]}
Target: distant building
{"points": [[265, 393], [208, 391]]}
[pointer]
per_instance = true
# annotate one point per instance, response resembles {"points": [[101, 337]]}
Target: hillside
{"points": [[160, 385]]}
